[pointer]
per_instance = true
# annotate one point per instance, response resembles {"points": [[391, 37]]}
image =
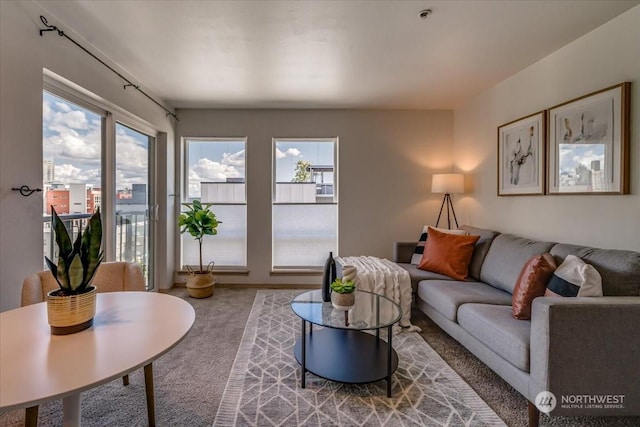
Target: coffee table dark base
{"points": [[346, 356]]}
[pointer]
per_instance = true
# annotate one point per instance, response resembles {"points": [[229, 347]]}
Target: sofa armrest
{"points": [[402, 251], [586, 346]]}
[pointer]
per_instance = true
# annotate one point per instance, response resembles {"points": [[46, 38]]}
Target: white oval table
{"points": [[130, 330]]}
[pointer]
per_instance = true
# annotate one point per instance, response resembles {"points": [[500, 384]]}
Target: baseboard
{"points": [[252, 285]]}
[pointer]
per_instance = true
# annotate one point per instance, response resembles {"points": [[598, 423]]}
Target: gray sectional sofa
{"points": [[586, 351]]}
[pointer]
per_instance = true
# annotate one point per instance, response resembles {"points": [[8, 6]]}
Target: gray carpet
{"points": [[191, 378]]}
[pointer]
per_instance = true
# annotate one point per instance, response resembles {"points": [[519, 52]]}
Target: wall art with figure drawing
{"points": [[521, 145]]}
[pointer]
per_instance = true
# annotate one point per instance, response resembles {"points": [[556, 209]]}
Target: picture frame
{"points": [[589, 138], [521, 156]]}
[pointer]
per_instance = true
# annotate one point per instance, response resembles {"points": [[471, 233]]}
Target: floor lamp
{"points": [[447, 183]]}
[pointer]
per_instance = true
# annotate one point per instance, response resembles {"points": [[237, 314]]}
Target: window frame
{"points": [[184, 197], [274, 141], [111, 115]]}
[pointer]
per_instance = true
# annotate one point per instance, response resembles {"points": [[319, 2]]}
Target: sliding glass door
{"points": [[133, 199], [92, 159]]}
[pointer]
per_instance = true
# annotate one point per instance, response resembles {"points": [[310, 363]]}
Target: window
{"points": [[215, 173], [133, 195], [90, 147], [305, 202], [71, 163]]}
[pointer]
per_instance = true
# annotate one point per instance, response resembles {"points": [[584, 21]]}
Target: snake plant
{"points": [[77, 262]]}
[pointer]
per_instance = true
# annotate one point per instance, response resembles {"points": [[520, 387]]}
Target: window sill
{"points": [[236, 271], [297, 272]]}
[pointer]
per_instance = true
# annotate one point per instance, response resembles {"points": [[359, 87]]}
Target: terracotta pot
{"points": [[71, 313], [201, 284], [343, 301]]}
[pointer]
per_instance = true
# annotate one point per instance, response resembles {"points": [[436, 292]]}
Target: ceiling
{"points": [[325, 54]]}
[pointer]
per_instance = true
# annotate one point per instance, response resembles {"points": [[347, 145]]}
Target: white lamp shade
{"points": [[447, 183]]}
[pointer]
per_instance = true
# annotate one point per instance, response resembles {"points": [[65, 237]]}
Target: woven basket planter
{"points": [[201, 285], [71, 313]]}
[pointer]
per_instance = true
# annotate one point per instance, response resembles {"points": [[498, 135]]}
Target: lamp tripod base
{"points": [[446, 200]]}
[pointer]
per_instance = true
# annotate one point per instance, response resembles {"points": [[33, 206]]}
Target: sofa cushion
{"points": [[619, 269], [480, 250], [447, 295], [506, 256], [575, 278], [419, 249], [532, 283], [495, 327], [448, 254], [418, 275]]}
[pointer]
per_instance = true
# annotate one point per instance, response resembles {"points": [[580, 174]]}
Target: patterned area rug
{"points": [[264, 385]]}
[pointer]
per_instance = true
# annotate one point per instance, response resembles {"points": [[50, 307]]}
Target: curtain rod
{"points": [[129, 83]]}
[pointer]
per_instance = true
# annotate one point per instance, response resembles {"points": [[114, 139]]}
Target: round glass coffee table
{"points": [[342, 351]]}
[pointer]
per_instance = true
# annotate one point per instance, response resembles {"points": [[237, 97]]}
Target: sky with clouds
{"points": [[290, 152], [72, 139], [216, 160], [572, 155]]}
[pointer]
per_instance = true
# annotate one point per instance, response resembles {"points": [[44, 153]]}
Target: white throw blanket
{"points": [[386, 278]]}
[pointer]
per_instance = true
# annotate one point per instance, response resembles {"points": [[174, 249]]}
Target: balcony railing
{"points": [[132, 231]]}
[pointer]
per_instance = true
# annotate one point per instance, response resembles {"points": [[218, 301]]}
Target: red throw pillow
{"points": [[531, 283], [448, 254]]}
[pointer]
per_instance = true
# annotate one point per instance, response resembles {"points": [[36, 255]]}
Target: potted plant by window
{"points": [[342, 294], [199, 221], [72, 307]]}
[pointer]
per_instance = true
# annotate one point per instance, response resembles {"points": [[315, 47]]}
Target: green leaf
{"points": [[76, 273], [93, 242], [54, 270], [341, 287], [62, 235], [63, 274], [90, 275]]}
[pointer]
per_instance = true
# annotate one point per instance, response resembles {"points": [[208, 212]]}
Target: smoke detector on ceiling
{"points": [[424, 13]]}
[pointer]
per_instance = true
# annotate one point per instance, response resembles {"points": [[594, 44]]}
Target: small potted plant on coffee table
{"points": [[342, 294]]}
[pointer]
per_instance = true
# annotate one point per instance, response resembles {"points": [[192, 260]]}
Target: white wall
{"points": [[386, 159], [606, 56], [23, 55]]}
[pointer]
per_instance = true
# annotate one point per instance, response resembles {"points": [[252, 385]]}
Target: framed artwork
{"points": [[589, 144], [521, 146]]}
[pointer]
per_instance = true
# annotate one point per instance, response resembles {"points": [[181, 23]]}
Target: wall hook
{"points": [[26, 191]]}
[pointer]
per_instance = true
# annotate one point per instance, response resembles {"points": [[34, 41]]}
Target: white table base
{"points": [[71, 410]]}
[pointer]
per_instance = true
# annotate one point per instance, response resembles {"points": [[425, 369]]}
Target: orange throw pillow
{"points": [[531, 283], [448, 254]]}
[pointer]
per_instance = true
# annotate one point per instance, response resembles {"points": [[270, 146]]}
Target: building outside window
{"points": [[305, 202], [215, 172]]}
